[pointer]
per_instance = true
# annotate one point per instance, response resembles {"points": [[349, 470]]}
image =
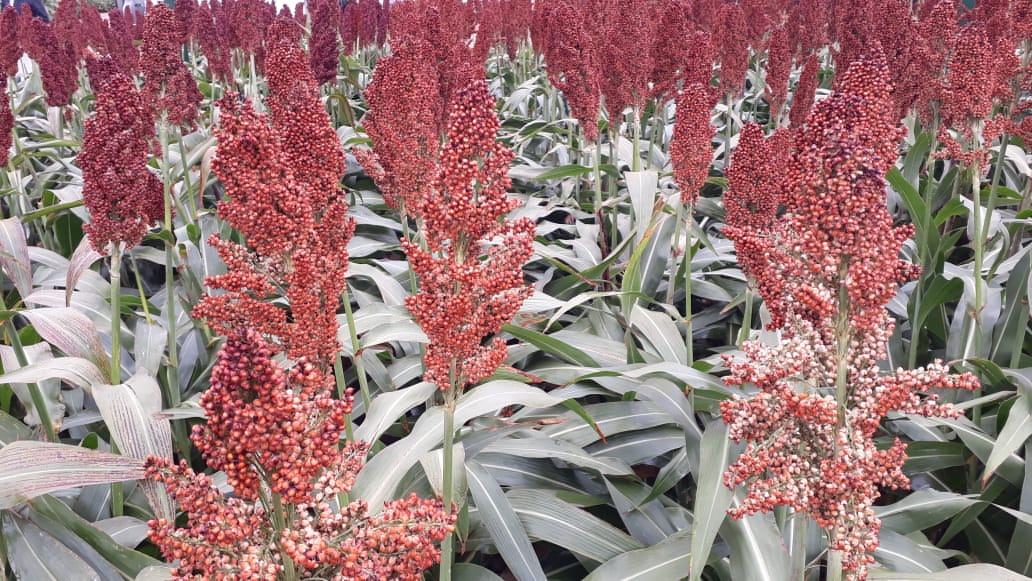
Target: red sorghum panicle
{"points": [[561, 33], [93, 28], [447, 27], [403, 102], [826, 271], [471, 271], [260, 415], [691, 149], [119, 41], [212, 43], [6, 128], [364, 22], [626, 59], [272, 426], [805, 91], [779, 68], [731, 37], [168, 83], [184, 11], [224, 537], [10, 50], [968, 91], [56, 60], [124, 198], [322, 44]]}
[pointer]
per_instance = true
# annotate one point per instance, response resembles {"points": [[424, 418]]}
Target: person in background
{"points": [[38, 10]]}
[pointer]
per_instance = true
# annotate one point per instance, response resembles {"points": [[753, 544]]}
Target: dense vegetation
{"points": [[650, 289]]}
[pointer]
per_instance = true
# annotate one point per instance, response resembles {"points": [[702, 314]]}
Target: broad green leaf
{"points": [[900, 553], [665, 560], [505, 527], [641, 445], [126, 560], [156, 573], [542, 447], [712, 498], [82, 259], [526, 473], [1014, 434], [149, 340], [641, 187], [551, 345], [921, 509], [1011, 469], [928, 456], [127, 531], [37, 355], [977, 572], [399, 331], [468, 572], [647, 264], [34, 555], [661, 332], [379, 478], [647, 522], [550, 519], [132, 411], [71, 332], [611, 418], [29, 469], [433, 467], [14, 255], [386, 408], [12, 430], [1019, 553], [757, 550]]}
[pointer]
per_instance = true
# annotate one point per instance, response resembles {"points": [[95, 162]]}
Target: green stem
{"points": [[689, 250], [356, 360], [171, 392], [117, 491], [636, 134], [834, 566], [990, 204], [116, 312], [139, 289], [338, 375], [674, 244], [279, 522], [974, 345], [798, 523], [186, 181], [447, 545], [743, 333], [35, 393]]}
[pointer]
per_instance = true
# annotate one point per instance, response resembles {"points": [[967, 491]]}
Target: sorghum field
{"points": [[513, 289]]}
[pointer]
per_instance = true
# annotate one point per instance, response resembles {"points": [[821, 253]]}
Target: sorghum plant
{"points": [[471, 270], [471, 267], [274, 429], [825, 271]]}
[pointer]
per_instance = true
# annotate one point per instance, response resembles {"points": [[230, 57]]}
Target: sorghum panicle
{"points": [[322, 44], [168, 82], [471, 272], [826, 271], [403, 102], [691, 149], [561, 33], [124, 198]]}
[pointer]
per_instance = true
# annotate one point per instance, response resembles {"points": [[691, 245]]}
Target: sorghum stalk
{"points": [[35, 393]]}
